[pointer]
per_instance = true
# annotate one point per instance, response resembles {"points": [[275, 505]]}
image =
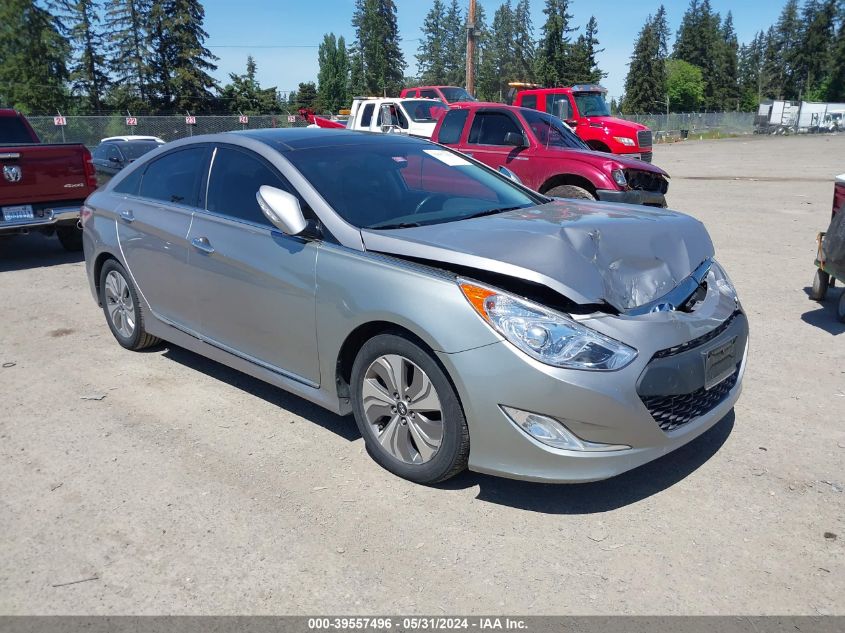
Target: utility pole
{"points": [[471, 35]]}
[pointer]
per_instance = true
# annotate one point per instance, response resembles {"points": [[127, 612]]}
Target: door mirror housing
{"points": [[387, 118], [515, 138], [115, 160], [282, 209], [507, 173]]}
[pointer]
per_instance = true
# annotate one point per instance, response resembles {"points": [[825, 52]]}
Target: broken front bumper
{"points": [[632, 196]]}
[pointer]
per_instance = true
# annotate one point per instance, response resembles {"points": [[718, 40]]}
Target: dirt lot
{"points": [[185, 487]]}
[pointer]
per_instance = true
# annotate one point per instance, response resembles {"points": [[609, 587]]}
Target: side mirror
{"points": [[507, 173], [282, 209], [387, 124], [115, 160], [514, 138], [571, 122]]}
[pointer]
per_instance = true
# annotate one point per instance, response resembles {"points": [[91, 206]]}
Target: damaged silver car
{"points": [[463, 319]]}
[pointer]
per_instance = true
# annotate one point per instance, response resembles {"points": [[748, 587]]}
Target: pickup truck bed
{"points": [[43, 186]]}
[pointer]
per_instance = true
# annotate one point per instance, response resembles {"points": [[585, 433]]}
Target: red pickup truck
{"points": [[585, 110], [546, 156], [43, 186]]}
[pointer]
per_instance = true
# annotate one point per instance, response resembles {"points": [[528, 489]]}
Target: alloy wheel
{"points": [[119, 304]]}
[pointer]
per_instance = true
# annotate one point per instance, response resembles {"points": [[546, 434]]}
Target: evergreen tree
{"points": [[645, 84], [495, 67], [700, 42], [787, 33], [306, 95], [554, 50], [752, 81], [726, 95], [431, 53], [814, 51], [33, 58], [456, 46], [771, 75], [661, 27], [180, 63], [523, 58], [333, 78], [584, 67], [126, 34], [245, 95], [836, 83], [378, 64], [88, 72]]}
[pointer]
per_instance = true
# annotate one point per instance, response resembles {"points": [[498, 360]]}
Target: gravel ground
{"points": [[170, 484]]}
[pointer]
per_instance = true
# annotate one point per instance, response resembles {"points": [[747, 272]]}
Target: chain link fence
{"points": [[694, 124], [89, 130]]}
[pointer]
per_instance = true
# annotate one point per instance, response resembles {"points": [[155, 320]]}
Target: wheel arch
{"points": [[568, 179], [99, 262]]}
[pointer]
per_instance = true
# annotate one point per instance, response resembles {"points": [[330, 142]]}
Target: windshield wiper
{"points": [[397, 225], [481, 214]]}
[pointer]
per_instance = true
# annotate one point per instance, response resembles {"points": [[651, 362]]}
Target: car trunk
{"points": [[42, 173]]}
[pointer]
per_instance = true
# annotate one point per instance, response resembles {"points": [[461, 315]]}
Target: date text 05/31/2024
{"points": [[415, 623]]}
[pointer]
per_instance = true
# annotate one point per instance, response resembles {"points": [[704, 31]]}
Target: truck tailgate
{"points": [[42, 173]]}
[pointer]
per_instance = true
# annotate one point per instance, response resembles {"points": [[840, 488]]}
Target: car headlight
{"points": [[723, 282], [629, 142], [619, 177], [545, 335]]}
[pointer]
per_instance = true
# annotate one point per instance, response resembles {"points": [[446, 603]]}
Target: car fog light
{"points": [[553, 433]]}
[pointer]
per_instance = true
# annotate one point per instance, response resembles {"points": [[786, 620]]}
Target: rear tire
{"points": [[821, 281], [122, 308], [70, 237], [408, 411], [570, 191]]}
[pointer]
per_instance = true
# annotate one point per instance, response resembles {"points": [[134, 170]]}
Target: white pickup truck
{"points": [[415, 117]]}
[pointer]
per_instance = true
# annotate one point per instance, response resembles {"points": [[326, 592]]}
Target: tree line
{"points": [[801, 56]]}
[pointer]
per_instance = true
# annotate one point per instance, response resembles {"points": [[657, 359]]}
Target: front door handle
{"points": [[202, 244], [127, 215]]}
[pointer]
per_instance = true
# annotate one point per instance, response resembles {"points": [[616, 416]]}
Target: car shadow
{"points": [[824, 315], [20, 252], [589, 498], [601, 496], [345, 427]]}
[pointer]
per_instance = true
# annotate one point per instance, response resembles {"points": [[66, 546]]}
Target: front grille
{"points": [[646, 156], [701, 340], [644, 138], [646, 181], [671, 412]]}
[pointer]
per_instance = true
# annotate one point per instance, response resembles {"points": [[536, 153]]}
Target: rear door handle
{"points": [[127, 215], [202, 244]]}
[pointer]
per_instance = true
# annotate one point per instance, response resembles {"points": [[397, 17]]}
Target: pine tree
{"points": [[584, 67], [495, 67], [661, 27], [180, 63], [645, 83], [814, 51], [378, 64], [787, 32], [306, 95], [751, 75], [245, 95], [700, 42], [126, 34], [456, 46], [33, 58], [522, 52], [836, 83], [771, 75], [88, 72], [333, 78], [431, 53], [727, 93], [554, 50]]}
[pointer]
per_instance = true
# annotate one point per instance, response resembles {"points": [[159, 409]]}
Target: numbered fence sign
{"points": [[291, 118], [59, 120], [243, 119], [190, 120], [131, 120]]}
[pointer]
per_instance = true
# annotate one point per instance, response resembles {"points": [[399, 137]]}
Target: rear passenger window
{"points": [[175, 177], [236, 176], [529, 101], [453, 125], [367, 115]]}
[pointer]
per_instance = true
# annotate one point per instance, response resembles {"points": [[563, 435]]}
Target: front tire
{"points": [[408, 411], [821, 281], [840, 308], [122, 308], [70, 238], [570, 191]]}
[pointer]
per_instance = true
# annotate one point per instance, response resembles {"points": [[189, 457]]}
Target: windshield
{"points": [[424, 110], [137, 149], [591, 104], [380, 185], [550, 131], [453, 95]]}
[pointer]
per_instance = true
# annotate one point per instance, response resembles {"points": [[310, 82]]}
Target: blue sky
{"points": [[238, 28]]}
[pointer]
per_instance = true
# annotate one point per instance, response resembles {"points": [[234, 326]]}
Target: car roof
{"points": [[475, 105], [292, 139], [131, 137]]}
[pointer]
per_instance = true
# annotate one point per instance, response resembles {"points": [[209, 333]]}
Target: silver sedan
{"points": [[464, 320]]}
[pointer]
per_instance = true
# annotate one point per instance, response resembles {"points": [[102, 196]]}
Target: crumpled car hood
{"points": [[590, 252]]}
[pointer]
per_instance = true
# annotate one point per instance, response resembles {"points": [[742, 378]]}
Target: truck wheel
{"points": [[122, 308], [570, 191], [70, 237], [820, 284], [840, 308]]}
